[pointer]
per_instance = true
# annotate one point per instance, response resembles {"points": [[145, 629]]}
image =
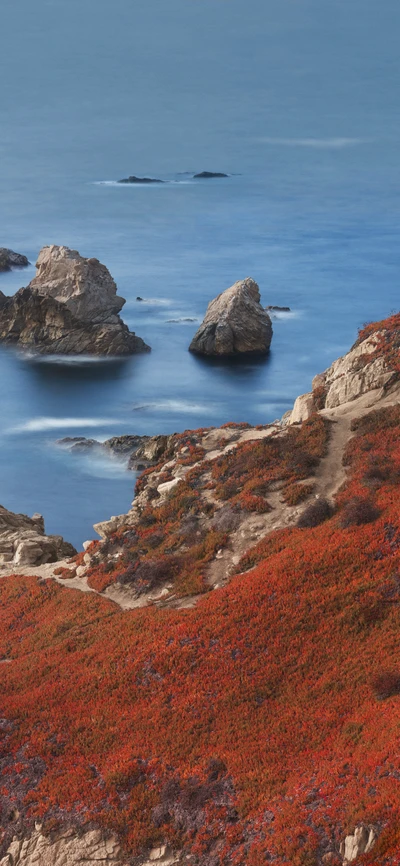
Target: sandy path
{"points": [[329, 477]]}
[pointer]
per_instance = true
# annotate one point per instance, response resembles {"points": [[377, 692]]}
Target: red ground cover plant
{"points": [[247, 730], [146, 557]]}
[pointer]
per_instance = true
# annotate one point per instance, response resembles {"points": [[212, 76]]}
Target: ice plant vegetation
{"points": [[260, 726]]}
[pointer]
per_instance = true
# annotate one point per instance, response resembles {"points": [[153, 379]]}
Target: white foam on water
{"points": [[120, 185], [322, 143], [71, 360], [178, 406], [154, 302], [183, 320], [285, 315], [102, 467], [35, 425]]}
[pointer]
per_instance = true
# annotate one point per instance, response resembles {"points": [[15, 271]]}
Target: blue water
{"points": [[298, 99]]}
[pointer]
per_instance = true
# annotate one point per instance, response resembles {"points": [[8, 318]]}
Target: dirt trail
{"points": [[329, 477]]}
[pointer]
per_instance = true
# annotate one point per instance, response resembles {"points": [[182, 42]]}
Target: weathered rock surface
{"points": [[9, 259], [361, 842], [345, 380], [23, 541], [70, 307], [235, 323], [133, 179], [68, 848]]}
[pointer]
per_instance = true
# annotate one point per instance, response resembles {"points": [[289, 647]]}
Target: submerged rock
{"points": [[133, 179], [273, 308], [70, 307], [206, 175], [23, 541], [235, 323], [9, 259]]}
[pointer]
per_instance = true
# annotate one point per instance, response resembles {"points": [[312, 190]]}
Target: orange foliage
{"points": [[275, 678]]}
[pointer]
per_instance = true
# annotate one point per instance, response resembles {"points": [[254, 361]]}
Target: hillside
{"points": [[239, 704]]}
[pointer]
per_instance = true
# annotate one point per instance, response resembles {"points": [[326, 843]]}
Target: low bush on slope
{"points": [[174, 541], [259, 727]]}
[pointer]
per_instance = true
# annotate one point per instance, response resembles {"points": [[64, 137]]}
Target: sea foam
{"points": [[321, 143], [35, 425]]}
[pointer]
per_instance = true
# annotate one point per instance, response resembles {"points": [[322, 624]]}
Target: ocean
{"points": [[298, 101]]}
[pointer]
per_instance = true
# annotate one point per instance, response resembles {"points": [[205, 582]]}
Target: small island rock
{"points": [[70, 307], [206, 175], [133, 179], [235, 323], [9, 259]]}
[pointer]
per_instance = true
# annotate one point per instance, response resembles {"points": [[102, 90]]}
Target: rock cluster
{"points": [[70, 307], [140, 451], [23, 541], [9, 259], [235, 323]]}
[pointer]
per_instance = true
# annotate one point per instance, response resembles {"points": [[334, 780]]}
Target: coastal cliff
{"points": [[247, 712]]}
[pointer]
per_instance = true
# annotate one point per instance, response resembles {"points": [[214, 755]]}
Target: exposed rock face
{"points": [[23, 541], [235, 323], [9, 259], [70, 307], [345, 380], [361, 842], [68, 849]]}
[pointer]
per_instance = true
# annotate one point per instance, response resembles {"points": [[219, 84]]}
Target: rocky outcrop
{"points": [[348, 378], [360, 842], [23, 541], [140, 451], [68, 848], [133, 179], [235, 323], [70, 307], [9, 259]]}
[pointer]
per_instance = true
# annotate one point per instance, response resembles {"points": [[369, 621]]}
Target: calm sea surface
{"points": [[298, 99]]}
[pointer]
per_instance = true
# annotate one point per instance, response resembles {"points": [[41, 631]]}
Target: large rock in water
{"points": [[235, 323], [70, 307]]}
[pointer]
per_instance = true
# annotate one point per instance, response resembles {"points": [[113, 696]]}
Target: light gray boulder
{"points": [[23, 541], [235, 323], [69, 308], [85, 286]]}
